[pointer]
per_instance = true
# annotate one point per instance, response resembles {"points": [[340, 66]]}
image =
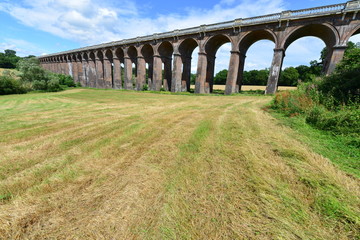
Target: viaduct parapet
{"points": [[163, 60]]}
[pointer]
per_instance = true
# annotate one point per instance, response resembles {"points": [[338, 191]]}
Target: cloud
{"points": [[91, 22], [23, 48]]}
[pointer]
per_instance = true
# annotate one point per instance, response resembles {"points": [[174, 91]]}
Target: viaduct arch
{"points": [[164, 60]]}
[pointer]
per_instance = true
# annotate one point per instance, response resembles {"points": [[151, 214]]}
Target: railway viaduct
{"points": [[164, 60]]}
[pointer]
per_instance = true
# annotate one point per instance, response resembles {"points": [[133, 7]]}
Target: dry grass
{"points": [[95, 164], [248, 88]]}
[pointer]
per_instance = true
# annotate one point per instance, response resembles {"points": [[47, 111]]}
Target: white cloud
{"points": [[23, 48], [92, 22]]}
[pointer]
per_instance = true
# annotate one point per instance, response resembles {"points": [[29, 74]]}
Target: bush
{"points": [[54, 86], [66, 80], [292, 102], [145, 87], [343, 121], [9, 85], [31, 70], [344, 83], [39, 85]]}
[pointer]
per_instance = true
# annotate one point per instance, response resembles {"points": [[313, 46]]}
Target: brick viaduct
{"points": [[168, 55]]}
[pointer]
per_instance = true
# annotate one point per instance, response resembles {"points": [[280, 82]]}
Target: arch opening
{"points": [[217, 46], [166, 51], [187, 49], [109, 69], [256, 66], [306, 58], [148, 53], [256, 52], [119, 69], [132, 53]]}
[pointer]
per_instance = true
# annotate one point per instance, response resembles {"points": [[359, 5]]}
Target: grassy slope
{"points": [[107, 164]]}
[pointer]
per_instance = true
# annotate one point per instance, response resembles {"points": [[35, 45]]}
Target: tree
{"points": [[256, 77], [10, 53], [289, 77], [344, 83], [220, 77], [8, 59], [192, 78]]}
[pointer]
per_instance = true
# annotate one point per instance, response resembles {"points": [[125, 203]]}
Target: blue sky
{"points": [[47, 26]]}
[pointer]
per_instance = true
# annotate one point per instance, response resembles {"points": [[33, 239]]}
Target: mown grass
{"points": [[340, 149], [105, 164]]}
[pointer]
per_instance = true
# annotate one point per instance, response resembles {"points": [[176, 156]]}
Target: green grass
{"points": [[338, 148]]}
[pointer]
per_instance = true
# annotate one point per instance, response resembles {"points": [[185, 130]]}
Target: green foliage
{"points": [[145, 87], [344, 84], [192, 78], [66, 80], [8, 59], [256, 77], [220, 77], [289, 77], [30, 70], [40, 79], [331, 104], [9, 85]]}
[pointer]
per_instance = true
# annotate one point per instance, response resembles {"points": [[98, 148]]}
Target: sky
{"points": [[39, 27]]}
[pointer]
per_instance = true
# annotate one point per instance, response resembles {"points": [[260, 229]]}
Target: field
{"points": [[106, 164], [249, 87]]}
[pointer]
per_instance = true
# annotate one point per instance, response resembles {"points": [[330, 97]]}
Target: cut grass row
{"points": [[102, 164]]}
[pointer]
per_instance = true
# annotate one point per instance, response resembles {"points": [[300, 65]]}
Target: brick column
{"points": [[167, 74], [279, 54], [157, 73], [232, 76], [85, 66], [75, 72], [117, 73], [201, 73], [99, 73], [176, 74], [108, 83], [186, 75], [63, 67], [141, 73], [70, 69], [128, 84], [92, 73], [240, 76], [336, 56], [209, 83], [80, 72]]}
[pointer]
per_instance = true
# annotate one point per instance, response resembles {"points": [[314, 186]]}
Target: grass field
{"points": [[249, 87], [105, 164]]}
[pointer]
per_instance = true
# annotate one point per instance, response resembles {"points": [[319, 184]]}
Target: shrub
{"points": [[31, 70], [344, 83], [39, 85], [145, 87], [343, 121], [54, 86], [66, 80], [292, 102], [9, 85]]}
